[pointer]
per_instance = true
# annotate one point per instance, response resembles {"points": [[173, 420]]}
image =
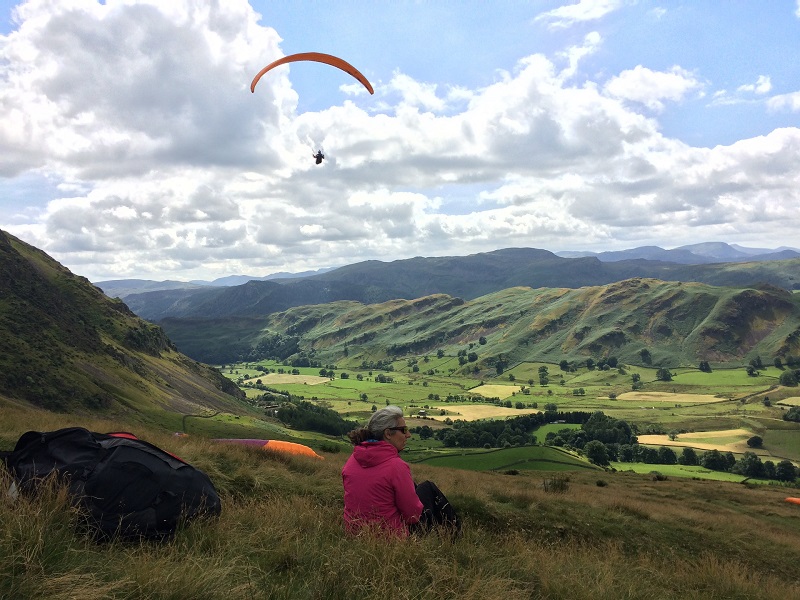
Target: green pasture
{"points": [[414, 390], [783, 442], [541, 432], [528, 458], [694, 472], [726, 381]]}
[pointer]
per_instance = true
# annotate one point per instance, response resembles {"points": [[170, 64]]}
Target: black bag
{"points": [[437, 512], [125, 487]]}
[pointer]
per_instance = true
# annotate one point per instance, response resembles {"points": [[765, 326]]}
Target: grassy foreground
{"points": [[608, 536]]}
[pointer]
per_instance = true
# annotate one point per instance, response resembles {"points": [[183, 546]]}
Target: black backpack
{"points": [[437, 512], [125, 487]]}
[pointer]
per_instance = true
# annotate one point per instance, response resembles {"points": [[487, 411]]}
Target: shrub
{"points": [[557, 484]]}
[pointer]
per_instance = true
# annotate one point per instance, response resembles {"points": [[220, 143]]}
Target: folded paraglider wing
{"points": [[273, 445], [290, 448]]}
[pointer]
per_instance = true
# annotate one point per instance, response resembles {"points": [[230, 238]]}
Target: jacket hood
{"points": [[369, 454]]}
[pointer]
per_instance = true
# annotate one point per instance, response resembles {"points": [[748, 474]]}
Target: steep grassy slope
{"points": [[466, 277], [65, 346], [608, 536], [680, 323]]}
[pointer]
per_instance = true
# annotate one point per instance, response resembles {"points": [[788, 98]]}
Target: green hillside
{"points": [[65, 346], [596, 535], [679, 324]]}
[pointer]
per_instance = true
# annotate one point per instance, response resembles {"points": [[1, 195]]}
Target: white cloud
{"points": [[790, 102], [584, 10], [761, 86], [651, 88], [170, 168]]}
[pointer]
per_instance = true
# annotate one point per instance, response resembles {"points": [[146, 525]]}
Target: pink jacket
{"points": [[378, 488]]}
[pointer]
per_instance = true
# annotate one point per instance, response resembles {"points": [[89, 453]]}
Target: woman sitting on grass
{"points": [[378, 488]]}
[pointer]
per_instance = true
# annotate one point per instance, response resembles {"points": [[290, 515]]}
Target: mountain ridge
{"points": [[466, 277], [65, 346], [680, 323]]}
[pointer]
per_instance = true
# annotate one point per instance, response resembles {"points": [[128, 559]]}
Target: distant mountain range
{"points": [[693, 254], [465, 277]]}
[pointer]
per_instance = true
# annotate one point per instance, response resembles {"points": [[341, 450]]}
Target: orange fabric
{"points": [[315, 57], [290, 448]]}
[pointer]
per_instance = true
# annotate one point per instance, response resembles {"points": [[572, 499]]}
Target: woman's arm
{"points": [[408, 503]]}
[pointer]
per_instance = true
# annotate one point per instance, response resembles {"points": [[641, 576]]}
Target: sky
{"points": [[131, 146]]}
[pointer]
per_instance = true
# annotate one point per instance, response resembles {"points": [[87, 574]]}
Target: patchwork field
{"points": [[496, 390], [733, 440], [283, 378], [676, 398], [472, 412], [792, 401]]}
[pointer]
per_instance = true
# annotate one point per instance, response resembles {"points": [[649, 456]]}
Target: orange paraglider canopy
{"points": [[793, 500], [315, 57], [290, 448]]}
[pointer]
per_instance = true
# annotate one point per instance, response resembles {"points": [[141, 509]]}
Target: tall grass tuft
{"points": [[280, 536]]}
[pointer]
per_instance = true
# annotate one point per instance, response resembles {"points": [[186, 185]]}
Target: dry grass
{"points": [[280, 536], [279, 378], [733, 440], [471, 412], [649, 397], [496, 391]]}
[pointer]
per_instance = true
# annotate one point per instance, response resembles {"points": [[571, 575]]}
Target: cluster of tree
{"points": [[793, 414], [790, 378], [749, 465], [600, 428], [273, 347], [464, 357], [498, 434], [301, 414], [379, 365], [302, 360], [603, 363]]}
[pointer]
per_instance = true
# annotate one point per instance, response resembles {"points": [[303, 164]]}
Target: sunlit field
{"points": [[726, 405], [496, 390]]}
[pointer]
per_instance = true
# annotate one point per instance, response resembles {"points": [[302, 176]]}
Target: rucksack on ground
{"points": [[437, 512], [126, 487]]}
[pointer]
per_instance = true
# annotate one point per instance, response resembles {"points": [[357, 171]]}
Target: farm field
{"points": [[528, 458], [721, 409], [501, 391], [472, 412], [675, 398], [282, 378], [733, 440], [693, 472]]}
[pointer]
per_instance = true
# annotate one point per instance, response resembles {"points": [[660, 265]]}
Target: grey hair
{"points": [[383, 419]]}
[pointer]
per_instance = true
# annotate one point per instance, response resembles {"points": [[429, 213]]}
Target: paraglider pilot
{"points": [[319, 156]]}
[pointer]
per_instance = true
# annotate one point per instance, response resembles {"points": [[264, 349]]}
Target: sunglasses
{"points": [[403, 429]]}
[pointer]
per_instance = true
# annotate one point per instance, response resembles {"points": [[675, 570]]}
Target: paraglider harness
{"points": [[319, 156], [124, 487]]}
